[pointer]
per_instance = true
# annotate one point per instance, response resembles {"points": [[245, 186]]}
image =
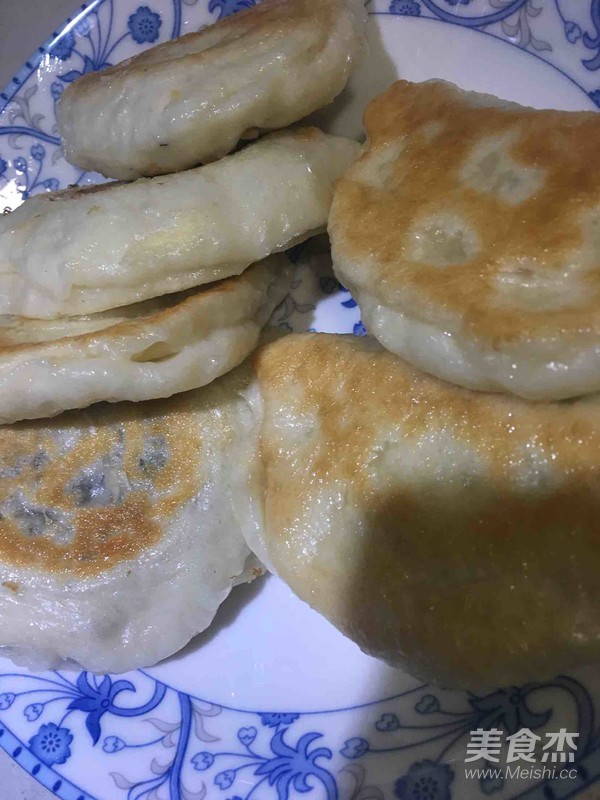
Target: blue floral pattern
{"points": [[275, 755], [425, 780], [95, 40], [112, 744], [428, 704], [225, 779], [203, 761], [490, 782], [355, 747], [51, 744], [33, 711], [292, 766], [406, 8], [144, 25], [187, 747], [56, 90], [64, 47], [508, 708], [97, 700], [227, 7], [278, 719], [38, 151], [572, 32], [387, 722]]}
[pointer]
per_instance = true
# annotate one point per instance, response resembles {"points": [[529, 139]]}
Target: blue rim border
{"points": [[479, 31], [15, 83], [45, 776], [17, 750]]}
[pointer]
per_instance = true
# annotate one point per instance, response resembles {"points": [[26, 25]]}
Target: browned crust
{"points": [[104, 536], [370, 224], [435, 568]]}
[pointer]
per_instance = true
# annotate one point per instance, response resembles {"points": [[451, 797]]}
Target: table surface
{"points": [[24, 25]]}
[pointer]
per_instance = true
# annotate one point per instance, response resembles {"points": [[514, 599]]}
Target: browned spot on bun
{"points": [[48, 462], [452, 530], [104, 538], [431, 133], [307, 134]]}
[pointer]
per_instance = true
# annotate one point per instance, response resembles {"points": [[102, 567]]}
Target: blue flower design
{"points": [[224, 779], [247, 735], [64, 47], [51, 744], [83, 27], [228, 7], [428, 704], [33, 711], [202, 761], [359, 329], [405, 8], [355, 747], [56, 89], [51, 184], [458, 2], [88, 66], [20, 164], [275, 720], [144, 25], [425, 780], [3, 166], [491, 782], [387, 722], [97, 701], [38, 151], [292, 766], [112, 744], [6, 698], [507, 707], [572, 31], [595, 96]]}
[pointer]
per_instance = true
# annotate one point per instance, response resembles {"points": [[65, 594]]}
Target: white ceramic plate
{"points": [[272, 703]]}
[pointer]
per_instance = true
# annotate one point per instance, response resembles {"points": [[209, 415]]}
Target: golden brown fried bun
{"points": [[117, 538], [469, 234], [450, 532]]}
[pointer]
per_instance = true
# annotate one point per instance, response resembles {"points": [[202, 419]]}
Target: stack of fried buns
{"points": [[432, 488]]}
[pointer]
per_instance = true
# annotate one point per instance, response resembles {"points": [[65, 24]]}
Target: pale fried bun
{"points": [[190, 101], [141, 352], [80, 251]]}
